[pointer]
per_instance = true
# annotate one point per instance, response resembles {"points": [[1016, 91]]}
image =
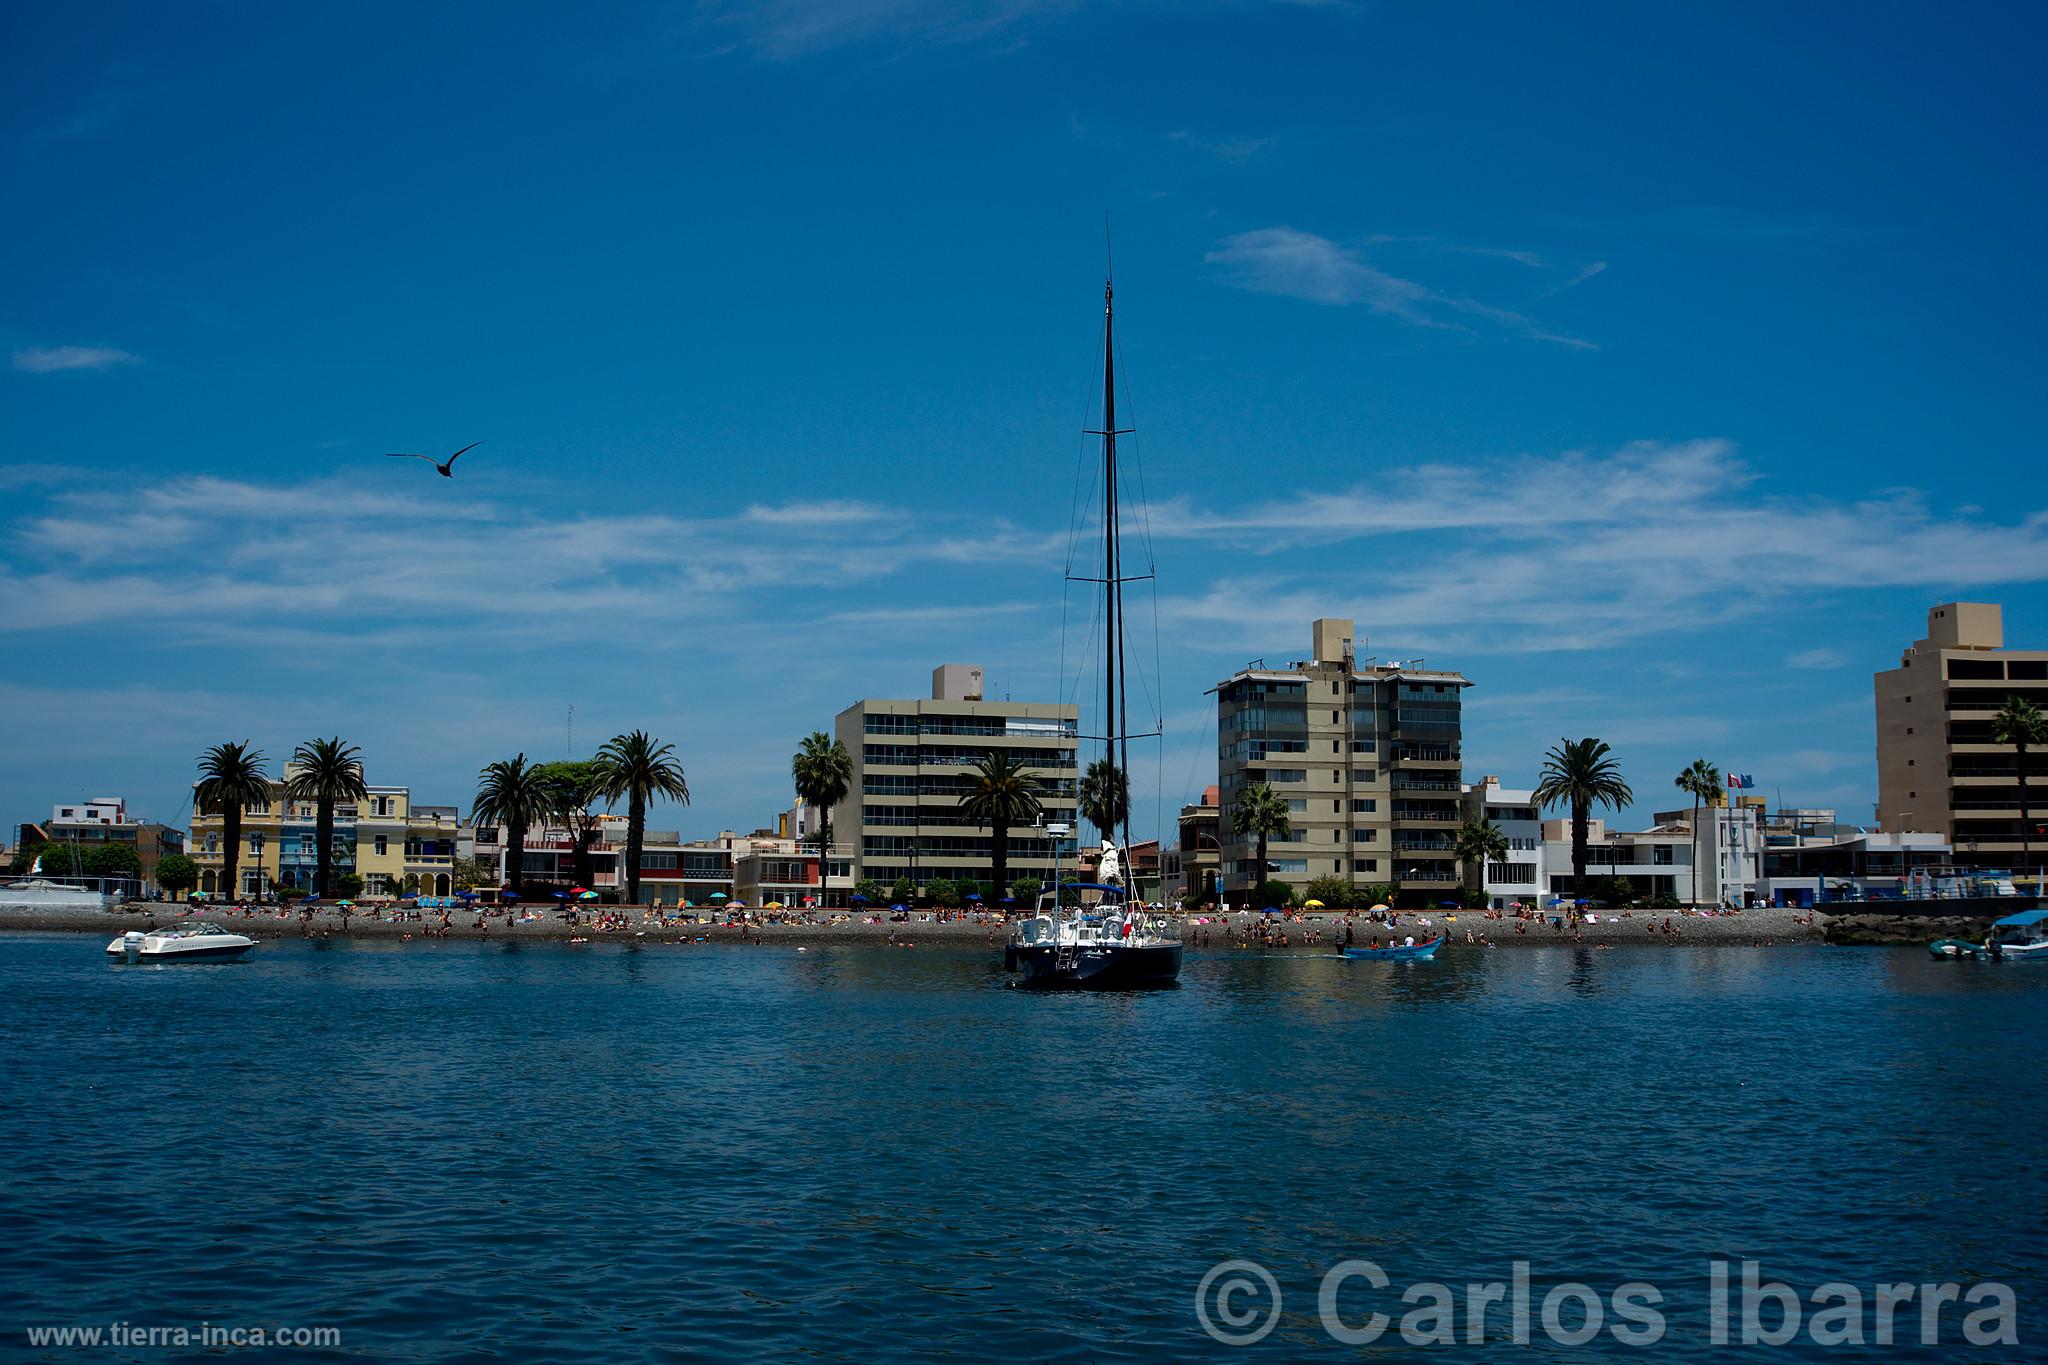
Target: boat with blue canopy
{"points": [[1410, 951], [2019, 938]]}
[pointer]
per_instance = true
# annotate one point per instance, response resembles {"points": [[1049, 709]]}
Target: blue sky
{"points": [[1658, 368]]}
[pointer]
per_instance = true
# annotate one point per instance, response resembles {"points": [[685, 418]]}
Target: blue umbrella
{"points": [[508, 896], [895, 907], [974, 896], [857, 896], [561, 895], [467, 895]]}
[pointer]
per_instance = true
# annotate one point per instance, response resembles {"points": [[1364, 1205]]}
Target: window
{"points": [[1297, 805], [1333, 747], [657, 862], [1337, 807], [256, 844], [1363, 774], [1365, 836], [1364, 805], [1336, 776], [1365, 864], [383, 845]]}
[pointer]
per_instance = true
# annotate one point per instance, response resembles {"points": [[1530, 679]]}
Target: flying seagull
{"points": [[446, 467]]}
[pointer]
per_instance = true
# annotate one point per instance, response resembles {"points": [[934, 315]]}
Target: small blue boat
{"points": [[1399, 952], [1955, 947]]}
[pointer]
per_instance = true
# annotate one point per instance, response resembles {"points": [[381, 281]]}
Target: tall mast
{"points": [[1116, 688]]}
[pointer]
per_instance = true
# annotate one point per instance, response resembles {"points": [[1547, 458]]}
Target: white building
{"points": [[1522, 877]]}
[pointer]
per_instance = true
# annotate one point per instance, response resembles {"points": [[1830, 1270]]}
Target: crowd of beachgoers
{"points": [[1312, 930]]}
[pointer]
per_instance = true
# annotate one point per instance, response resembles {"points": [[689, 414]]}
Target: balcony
{"points": [[1416, 845], [1423, 876]]}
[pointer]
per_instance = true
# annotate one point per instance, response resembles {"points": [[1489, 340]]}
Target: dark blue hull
{"points": [[1103, 968]]}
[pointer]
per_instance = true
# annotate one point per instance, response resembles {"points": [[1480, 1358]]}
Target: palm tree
{"points": [[512, 794], [231, 778], [574, 786], [1001, 794], [1105, 797], [1702, 782], [823, 773], [640, 768], [1261, 813], [1478, 843], [325, 772], [2020, 723], [1582, 774]]}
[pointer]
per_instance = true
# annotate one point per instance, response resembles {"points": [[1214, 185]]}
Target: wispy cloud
{"points": [[782, 30], [1236, 150], [1817, 658], [1585, 552], [1296, 264], [51, 359], [99, 113]]}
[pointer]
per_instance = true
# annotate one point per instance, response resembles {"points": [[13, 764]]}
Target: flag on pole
{"points": [[1740, 781]]}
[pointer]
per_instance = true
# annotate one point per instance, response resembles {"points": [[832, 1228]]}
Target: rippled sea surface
{"points": [[461, 1151]]}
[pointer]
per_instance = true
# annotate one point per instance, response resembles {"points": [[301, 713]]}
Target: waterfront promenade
{"points": [[1307, 933]]}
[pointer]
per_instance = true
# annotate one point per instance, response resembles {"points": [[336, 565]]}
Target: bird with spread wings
{"points": [[446, 468]]}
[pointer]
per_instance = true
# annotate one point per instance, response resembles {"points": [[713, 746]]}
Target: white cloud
{"points": [[1817, 658], [1578, 552], [1236, 150], [782, 30], [51, 359], [1302, 265]]}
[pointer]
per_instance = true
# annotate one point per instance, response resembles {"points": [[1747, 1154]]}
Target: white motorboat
{"points": [[40, 893], [194, 942], [2019, 938]]}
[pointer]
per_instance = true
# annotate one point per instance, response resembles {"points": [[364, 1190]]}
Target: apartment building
{"points": [[394, 846], [911, 765], [1188, 869], [105, 820], [1938, 768], [1365, 753], [1521, 878]]}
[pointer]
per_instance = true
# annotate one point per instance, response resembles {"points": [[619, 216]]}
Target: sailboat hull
{"points": [[1098, 967]]}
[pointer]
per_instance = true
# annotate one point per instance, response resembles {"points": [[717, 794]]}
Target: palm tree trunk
{"points": [[515, 857], [636, 821], [1695, 897], [1261, 870], [999, 850], [323, 853], [824, 854], [231, 846], [1581, 812]]}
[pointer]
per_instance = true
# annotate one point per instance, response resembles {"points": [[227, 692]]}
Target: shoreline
{"points": [[1750, 928]]}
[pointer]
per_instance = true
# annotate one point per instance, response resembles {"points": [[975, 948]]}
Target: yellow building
{"points": [[393, 845], [256, 867]]}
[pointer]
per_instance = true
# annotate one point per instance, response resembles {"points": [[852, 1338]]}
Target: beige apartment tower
{"points": [[912, 762], [1365, 753], [1938, 768]]}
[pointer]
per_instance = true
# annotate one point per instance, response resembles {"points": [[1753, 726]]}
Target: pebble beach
{"points": [[1213, 933]]}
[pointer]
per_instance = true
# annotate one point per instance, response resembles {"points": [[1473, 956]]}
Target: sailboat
{"points": [[1097, 935]]}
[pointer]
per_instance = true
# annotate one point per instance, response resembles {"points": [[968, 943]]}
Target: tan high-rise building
{"points": [[1366, 755], [914, 759], [1938, 768]]}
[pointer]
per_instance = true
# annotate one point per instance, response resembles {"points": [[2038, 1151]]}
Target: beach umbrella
{"points": [[718, 895], [587, 896], [1271, 911], [1009, 900], [1377, 908], [578, 890], [857, 896], [772, 905], [896, 907], [974, 896], [736, 905], [1311, 905], [467, 895], [561, 895]]}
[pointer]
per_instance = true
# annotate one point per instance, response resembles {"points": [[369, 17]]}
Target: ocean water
{"points": [[489, 1152]]}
